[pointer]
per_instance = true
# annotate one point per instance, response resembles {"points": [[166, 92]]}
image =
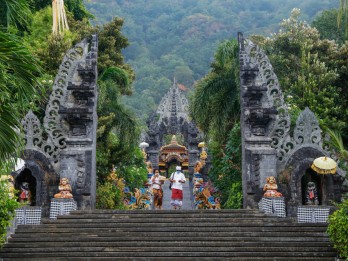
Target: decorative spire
{"points": [[174, 141]]}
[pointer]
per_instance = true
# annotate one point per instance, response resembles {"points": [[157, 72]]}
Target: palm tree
{"points": [[14, 12], [18, 84], [214, 105], [343, 15]]}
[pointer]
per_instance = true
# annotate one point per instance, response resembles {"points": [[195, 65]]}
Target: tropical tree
{"points": [[343, 15], [215, 108], [14, 12], [307, 72], [214, 105], [19, 86]]}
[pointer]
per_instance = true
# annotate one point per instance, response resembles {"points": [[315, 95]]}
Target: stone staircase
{"points": [[170, 235]]}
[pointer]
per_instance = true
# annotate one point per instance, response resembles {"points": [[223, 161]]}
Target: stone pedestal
{"points": [[62, 206], [274, 206], [28, 215], [313, 214]]}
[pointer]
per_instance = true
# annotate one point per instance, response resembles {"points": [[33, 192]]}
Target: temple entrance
{"points": [[307, 180], [26, 183], [172, 155]]}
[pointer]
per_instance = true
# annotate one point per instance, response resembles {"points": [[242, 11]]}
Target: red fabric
{"points": [[177, 194], [311, 194]]}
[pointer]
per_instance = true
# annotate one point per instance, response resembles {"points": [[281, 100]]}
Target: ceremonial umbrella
{"points": [[324, 165]]}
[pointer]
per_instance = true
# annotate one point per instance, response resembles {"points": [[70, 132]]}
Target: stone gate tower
{"points": [[65, 146]]}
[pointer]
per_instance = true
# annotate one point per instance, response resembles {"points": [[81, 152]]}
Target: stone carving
{"points": [[67, 139], [268, 147], [25, 195], [271, 188], [311, 194], [64, 189], [172, 118]]}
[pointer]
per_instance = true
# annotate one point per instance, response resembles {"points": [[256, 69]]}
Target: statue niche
{"points": [[25, 183]]}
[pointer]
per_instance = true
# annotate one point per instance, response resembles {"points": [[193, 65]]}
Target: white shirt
{"points": [[176, 176], [156, 182]]}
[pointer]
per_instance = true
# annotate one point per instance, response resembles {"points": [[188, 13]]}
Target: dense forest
{"points": [[178, 38]]}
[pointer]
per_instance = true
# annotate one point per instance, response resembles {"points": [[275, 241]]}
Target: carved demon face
{"points": [[271, 180], [311, 186]]}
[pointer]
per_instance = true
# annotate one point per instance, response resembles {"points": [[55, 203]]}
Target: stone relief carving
{"points": [[256, 57], [55, 128]]}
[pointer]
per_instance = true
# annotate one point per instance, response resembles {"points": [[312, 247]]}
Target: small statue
{"points": [[64, 189], [198, 166], [149, 167], [271, 188], [311, 194], [25, 195]]}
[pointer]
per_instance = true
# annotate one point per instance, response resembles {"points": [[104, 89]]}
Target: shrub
{"points": [[338, 229], [7, 210], [109, 197]]}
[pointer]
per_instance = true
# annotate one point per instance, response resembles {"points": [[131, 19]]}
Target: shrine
{"points": [[173, 153], [64, 145], [171, 118], [271, 149]]}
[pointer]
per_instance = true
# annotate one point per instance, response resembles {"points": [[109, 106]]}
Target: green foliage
{"points": [[226, 173], [7, 210], [326, 23], [111, 42], [76, 7], [19, 87], [338, 229], [308, 71], [214, 104], [14, 12], [109, 196], [178, 38]]}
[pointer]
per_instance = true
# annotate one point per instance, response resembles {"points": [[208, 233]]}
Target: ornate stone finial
{"points": [[174, 141], [32, 129], [271, 187], [307, 130], [64, 189]]}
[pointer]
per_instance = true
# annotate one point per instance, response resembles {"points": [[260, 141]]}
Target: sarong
{"points": [[177, 197], [157, 197]]}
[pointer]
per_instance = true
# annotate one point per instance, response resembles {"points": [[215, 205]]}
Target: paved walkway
{"points": [[188, 198]]}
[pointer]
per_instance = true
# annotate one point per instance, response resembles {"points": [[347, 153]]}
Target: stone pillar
{"points": [[257, 115], [78, 159]]}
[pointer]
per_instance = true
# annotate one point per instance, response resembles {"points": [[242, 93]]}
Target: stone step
{"points": [[166, 244], [210, 227], [167, 216], [180, 233], [213, 254], [218, 212], [192, 223], [186, 239], [172, 235], [134, 248], [317, 258]]}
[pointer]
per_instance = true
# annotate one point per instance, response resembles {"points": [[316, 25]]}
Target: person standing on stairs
{"points": [[157, 182], [177, 178]]}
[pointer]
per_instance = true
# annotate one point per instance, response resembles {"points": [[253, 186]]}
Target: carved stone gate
{"points": [[171, 118], [65, 145], [268, 147]]}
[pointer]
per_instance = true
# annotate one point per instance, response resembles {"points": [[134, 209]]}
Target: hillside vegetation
{"points": [[177, 38]]}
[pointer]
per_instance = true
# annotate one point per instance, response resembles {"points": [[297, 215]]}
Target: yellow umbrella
{"points": [[324, 165]]}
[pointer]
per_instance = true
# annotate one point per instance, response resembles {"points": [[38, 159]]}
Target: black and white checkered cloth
{"points": [[28, 215], [312, 214], [61, 207], [275, 206]]}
